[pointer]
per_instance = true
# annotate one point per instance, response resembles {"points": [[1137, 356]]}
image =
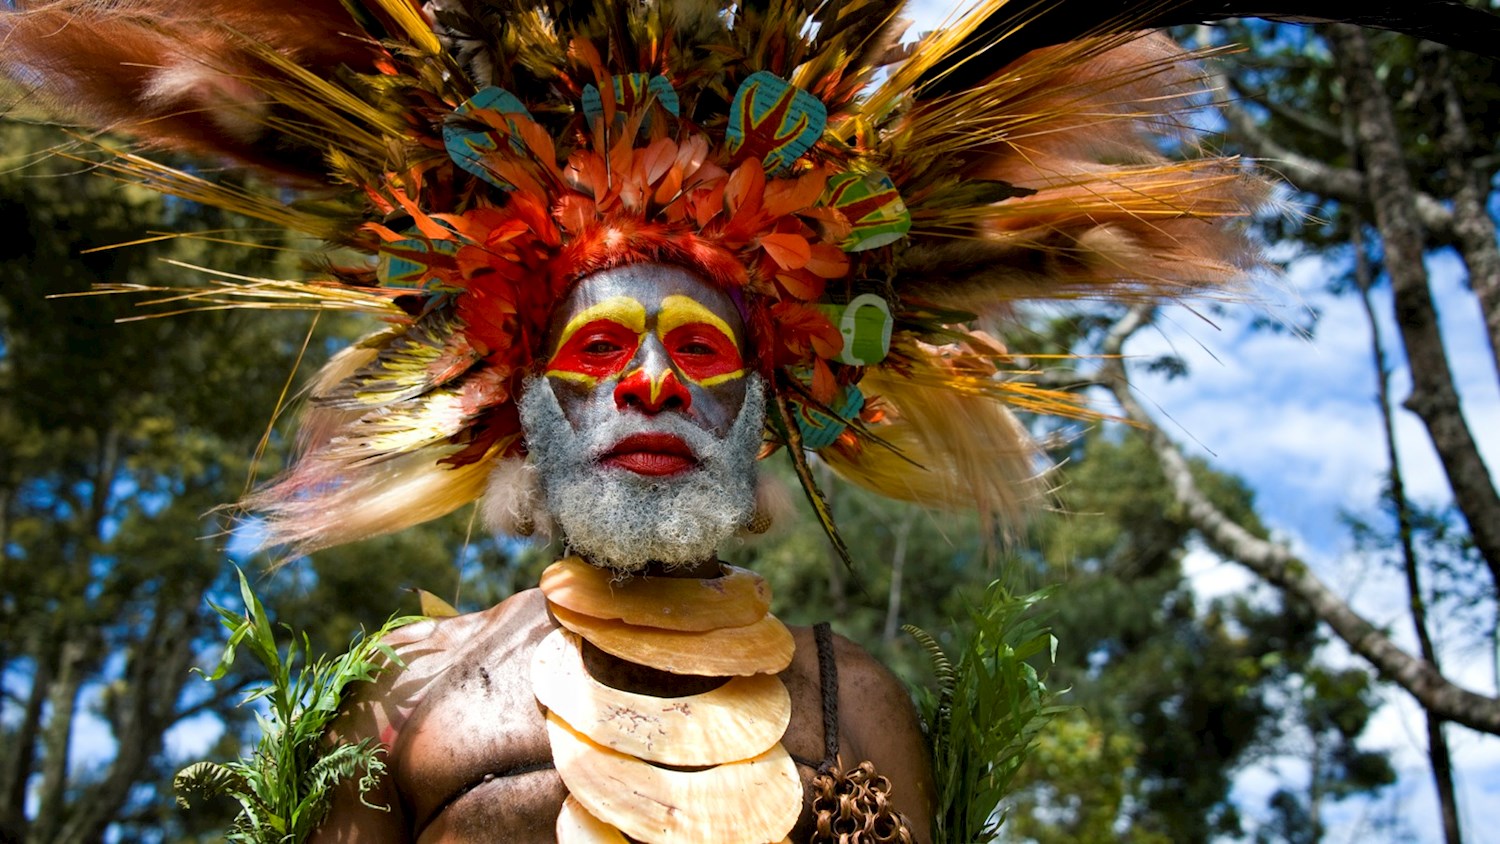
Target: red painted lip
{"points": [[651, 454]]}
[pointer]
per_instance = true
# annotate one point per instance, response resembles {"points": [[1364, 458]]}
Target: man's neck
{"points": [[708, 568]]}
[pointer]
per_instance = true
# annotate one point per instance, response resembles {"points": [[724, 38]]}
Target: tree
{"points": [[1373, 127], [1175, 694]]}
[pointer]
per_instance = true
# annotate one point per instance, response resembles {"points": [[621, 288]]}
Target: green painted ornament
{"points": [[872, 205], [866, 325]]}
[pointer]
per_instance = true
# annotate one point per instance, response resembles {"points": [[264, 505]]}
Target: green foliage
{"points": [[986, 712], [285, 786]]}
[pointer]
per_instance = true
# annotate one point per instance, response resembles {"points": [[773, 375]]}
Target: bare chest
{"points": [[473, 761]]}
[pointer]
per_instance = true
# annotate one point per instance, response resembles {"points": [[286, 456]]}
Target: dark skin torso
{"points": [[468, 752]]}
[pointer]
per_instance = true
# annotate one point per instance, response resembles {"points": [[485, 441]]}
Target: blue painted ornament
{"points": [[469, 148], [818, 429], [630, 90], [773, 121]]}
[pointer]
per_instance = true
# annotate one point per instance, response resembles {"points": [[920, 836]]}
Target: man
{"points": [[643, 425]]}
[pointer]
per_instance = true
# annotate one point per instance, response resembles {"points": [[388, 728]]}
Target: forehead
{"points": [[649, 284]]}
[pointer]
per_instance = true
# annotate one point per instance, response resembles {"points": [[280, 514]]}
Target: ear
{"points": [[774, 503], [513, 504]]}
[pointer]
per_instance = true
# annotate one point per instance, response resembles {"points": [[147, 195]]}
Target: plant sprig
{"points": [[284, 787], [986, 711]]}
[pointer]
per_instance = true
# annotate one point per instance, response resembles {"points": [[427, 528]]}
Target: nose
{"points": [[653, 387]]}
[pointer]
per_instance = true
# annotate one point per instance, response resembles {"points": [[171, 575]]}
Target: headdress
{"points": [[862, 200]]}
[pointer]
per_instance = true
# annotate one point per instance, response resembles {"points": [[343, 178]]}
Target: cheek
{"points": [[582, 399], [717, 407]]}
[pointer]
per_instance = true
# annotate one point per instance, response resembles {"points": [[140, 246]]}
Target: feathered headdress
{"points": [[861, 199]]}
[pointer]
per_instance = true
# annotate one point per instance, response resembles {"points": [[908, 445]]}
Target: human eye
{"points": [[602, 346]]}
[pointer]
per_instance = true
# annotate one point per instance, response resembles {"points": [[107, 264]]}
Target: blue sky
{"points": [[1295, 417]]}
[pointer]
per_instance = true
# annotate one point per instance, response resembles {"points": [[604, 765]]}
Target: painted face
{"points": [[648, 339]]}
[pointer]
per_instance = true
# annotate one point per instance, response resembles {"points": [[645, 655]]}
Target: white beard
{"points": [[623, 520]]}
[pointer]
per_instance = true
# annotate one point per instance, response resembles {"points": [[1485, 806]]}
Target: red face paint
{"points": [[599, 349], [703, 352]]}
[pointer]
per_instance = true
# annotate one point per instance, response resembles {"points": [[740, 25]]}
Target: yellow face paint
{"points": [[621, 309], [678, 310]]}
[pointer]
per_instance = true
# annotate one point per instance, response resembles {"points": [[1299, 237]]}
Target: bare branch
{"points": [[1433, 396], [1309, 174], [1473, 227], [1275, 564]]}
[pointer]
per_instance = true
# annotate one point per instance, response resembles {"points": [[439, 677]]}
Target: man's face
{"points": [[645, 422], [648, 339]]}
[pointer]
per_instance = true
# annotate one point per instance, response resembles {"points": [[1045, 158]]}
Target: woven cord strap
{"points": [[828, 678]]}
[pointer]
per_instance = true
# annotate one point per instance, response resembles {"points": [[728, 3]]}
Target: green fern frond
{"points": [[204, 780], [987, 708], [285, 786]]}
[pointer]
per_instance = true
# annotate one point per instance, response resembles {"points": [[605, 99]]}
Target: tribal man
{"points": [[644, 427]]}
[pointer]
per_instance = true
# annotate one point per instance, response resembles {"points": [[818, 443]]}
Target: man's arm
{"points": [[378, 710], [877, 717]]}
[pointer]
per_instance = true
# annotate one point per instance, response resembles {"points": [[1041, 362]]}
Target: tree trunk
{"points": [[1439, 759], [1473, 227], [902, 532], [57, 740], [1433, 397], [154, 677], [18, 760]]}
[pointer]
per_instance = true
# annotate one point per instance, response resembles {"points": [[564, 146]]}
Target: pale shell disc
{"points": [[764, 647], [737, 598], [576, 826], [743, 718], [750, 802]]}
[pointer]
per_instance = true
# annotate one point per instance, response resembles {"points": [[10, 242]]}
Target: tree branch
{"points": [[1473, 228], [1276, 565], [1433, 397], [1309, 174]]}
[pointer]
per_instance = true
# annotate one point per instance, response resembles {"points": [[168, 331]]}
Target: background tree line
{"points": [[116, 440]]}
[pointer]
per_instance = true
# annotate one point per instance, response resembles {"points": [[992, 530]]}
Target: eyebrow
{"points": [[622, 309], [678, 310]]}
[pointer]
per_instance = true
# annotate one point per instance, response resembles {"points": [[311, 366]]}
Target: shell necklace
{"points": [[707, 768]]}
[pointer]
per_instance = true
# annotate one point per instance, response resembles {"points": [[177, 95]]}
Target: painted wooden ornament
{"points": [[630, 89], [764, 647], [739, 720], [773, 121], [750, 802], [865, 324], [416, 263], [469, 147], [736, 599], [576, 826], [819, 429], [872, 205]]}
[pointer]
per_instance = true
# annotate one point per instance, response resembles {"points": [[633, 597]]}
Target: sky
{"points": [[1295, 417]]}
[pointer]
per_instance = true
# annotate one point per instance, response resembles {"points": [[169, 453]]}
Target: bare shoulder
{"points": [[385, 708], [878, 723], [427, 650]]}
